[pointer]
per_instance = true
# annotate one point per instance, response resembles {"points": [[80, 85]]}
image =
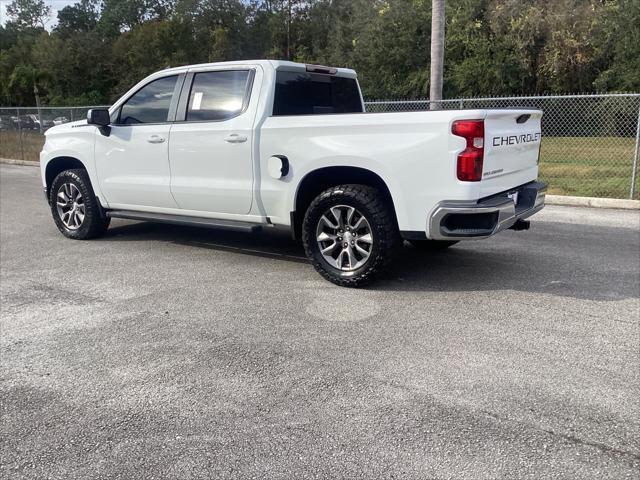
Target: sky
{"points": [[55, 5]]}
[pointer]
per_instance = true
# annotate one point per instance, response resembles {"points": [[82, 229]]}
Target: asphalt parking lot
{"points": [[166, 352]]}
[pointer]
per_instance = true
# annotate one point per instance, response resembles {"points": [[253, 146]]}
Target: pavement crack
{"points": [[570, 438], [600, 446]]}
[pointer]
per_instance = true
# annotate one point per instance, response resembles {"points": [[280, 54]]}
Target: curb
{"points": [[591, 202], [11, 161]]}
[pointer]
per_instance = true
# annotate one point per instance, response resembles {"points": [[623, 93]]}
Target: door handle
{"points": [[155, 139], [235, 138]]}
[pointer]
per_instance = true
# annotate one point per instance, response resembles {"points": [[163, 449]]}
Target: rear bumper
{"points": [[459, 220]]}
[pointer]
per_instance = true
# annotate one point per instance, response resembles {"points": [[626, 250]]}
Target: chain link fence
{"points": [[22, 129], [589, 146], [589, 142]]}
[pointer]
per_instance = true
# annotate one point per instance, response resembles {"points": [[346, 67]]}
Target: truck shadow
{"points": [[273, 244], [511, 261]]}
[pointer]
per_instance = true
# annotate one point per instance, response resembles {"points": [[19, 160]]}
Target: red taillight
{"points": [[471, 158]]}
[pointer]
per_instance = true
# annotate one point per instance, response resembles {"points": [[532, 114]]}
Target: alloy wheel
{"points": [[70, 206], [344, 237]]}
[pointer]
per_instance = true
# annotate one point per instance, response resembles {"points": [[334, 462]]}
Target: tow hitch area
{"points": [[520, 225]]}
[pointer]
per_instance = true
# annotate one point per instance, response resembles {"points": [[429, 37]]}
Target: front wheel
{"points": [[74, 207], [350, 234]]}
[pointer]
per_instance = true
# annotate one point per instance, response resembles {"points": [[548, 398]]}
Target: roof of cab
{"points": [[275, 64]]}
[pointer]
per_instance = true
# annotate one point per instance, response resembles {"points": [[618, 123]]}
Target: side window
{"points": [[150, 104], [218, 95]]}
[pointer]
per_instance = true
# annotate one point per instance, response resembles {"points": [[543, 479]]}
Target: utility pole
{"points": [[289, 30], [437, 53]]}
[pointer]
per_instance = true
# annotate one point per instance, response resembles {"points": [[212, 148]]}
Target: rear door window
{"points": [[301, 93], [217, 96]]}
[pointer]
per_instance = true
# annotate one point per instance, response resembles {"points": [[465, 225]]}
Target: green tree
{"points": [[479, 61], [79, 17], [620, 40], [390, 48], [287, 21], [122, 15], [170, 42], [28, 14], [100, 48], [78, 68]]}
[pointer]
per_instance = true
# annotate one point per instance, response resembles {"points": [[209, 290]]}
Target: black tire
{"points": [[382, 225], [94, 223], [432, 245]]}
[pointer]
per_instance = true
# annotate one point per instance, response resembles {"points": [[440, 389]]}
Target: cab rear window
{"points": [[299, 93]]}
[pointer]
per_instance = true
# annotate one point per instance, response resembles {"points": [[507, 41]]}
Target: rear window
{"points": [[300, 93]]}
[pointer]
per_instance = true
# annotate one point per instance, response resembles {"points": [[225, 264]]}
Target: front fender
{"points": [[78, 144]]}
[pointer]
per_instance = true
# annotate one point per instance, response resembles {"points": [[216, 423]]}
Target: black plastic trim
{"points": [[181, 112], [534, 186], [173, 108], [235, 225], [101, 210], [469, 224], [295, 232]]}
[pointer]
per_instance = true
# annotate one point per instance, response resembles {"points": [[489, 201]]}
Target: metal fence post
{"points": [[40, 122], [20, 133], [634, 171]]}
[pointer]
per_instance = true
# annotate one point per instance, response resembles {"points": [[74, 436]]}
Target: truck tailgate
{"points": [[511, 148]]}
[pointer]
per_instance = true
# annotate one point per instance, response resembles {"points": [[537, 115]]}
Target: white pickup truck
{"points": [[264, 144]]}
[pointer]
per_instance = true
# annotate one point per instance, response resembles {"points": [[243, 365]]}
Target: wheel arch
{"points": [[57, 165], [322, 178]]}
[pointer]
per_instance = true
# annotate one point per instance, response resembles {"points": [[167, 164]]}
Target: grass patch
{"points": [[587, 166], [21, 146], [581, 166]]}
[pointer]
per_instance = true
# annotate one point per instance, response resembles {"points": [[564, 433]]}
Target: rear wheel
{"points": [[432, 245], [350, 235], [74, 207]]}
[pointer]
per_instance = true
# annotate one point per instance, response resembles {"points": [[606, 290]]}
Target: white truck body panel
{"points": [[511, 149], [406, 151], [196, 172], [133, 172]]}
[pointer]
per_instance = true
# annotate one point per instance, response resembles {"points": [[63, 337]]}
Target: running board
{"points": [[247, 227]]}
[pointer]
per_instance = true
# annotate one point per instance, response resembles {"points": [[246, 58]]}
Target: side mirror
{"points": [[99, 117]]}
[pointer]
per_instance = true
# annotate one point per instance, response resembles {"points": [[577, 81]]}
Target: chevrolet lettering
{"points": [[516, 139]]}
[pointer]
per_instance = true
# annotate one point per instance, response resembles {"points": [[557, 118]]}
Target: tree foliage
{"points": [[80, 17], [100, 48], [28, 14]]}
